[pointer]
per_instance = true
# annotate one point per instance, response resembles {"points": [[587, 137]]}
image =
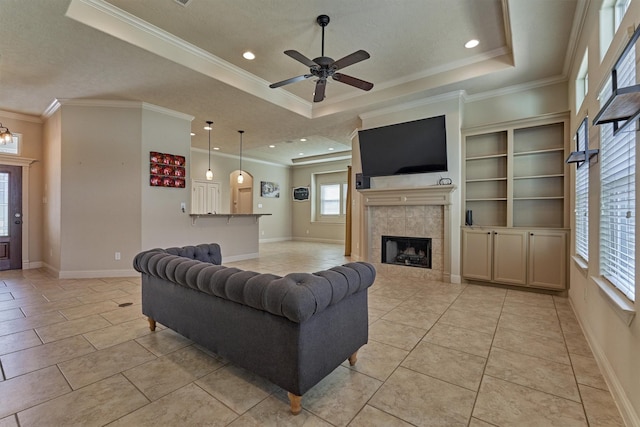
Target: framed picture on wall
{"points": [[301, 194], [269, 189], [167, 170]]}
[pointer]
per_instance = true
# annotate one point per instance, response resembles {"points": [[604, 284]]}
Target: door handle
{"points": [[17, 221]]}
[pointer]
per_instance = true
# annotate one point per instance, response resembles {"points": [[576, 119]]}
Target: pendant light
{"points": [[240, 177], [209, 174], [5, 135]]}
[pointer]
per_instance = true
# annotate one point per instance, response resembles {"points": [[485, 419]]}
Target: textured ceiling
{"points": [[189, 59]]}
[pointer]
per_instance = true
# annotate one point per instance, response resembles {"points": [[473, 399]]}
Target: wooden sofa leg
{"points": [[152, 323], [353, 358], [296, 403]]}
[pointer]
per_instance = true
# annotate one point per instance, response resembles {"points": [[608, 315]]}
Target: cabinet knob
{"points": [[530, 234], [488, 232]]}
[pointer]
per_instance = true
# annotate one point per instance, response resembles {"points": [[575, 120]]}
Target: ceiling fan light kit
{"points": [[324, 67]]}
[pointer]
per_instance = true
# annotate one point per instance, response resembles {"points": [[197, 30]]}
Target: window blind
{"points": [[617, 176], [582, 195]]}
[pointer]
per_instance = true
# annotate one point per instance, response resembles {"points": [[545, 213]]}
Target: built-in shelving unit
{"points": [[486, 176], [514, 173]]}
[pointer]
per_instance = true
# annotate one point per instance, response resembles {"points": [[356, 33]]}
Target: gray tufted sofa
{"points": [[292, 330]]}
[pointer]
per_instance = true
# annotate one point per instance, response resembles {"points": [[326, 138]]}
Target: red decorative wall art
{"points": [[167, 170]]}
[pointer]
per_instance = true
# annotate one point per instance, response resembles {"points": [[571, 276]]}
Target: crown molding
{"points": [[413, 104], [110, 103], [18, 116], [167, 112], [244, 157], [517, 88], [100, 15]]}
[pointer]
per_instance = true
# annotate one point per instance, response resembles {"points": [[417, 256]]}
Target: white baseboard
{"points": [[95, 274], [311, 239], [625, 407], [455, 278], [275, 239], [30, 265], [233, 258]]}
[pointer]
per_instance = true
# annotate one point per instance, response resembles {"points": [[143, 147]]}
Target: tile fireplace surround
{"points": [[410, 212]]}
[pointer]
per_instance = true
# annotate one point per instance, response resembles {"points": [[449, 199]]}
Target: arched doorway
{"points": [[241, 194]]}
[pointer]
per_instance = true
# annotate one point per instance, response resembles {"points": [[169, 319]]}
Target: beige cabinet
{"points": [[477, 251], [205, 197], [547, 261], [510, 256], [532, 258]]}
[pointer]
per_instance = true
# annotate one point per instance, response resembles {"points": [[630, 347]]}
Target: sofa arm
{"points": [[206, 252]]}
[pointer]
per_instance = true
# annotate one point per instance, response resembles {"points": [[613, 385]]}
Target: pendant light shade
{"points": [[240, 177], [209, 174]]}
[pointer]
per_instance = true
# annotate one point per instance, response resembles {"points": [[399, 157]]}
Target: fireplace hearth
{"points": [[408, 251]]}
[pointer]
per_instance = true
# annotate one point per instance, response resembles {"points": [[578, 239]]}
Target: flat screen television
{"points": [[418, 146]]}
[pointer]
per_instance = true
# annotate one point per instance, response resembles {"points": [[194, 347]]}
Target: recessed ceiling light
{"points": [[272, 146], [216, 148], [300, 154], [330, 148], [471, 43], [248, 55], [303, 139], [193, 134]]}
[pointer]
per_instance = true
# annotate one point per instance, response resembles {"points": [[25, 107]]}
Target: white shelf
{"points": [[556, 175], [548, 150], [488, 156], [487, 179]]}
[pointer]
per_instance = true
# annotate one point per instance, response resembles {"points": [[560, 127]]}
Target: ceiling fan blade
{"points": [[321, 85], [355, 57], [352, 81], [291, 80], [301, 58]]}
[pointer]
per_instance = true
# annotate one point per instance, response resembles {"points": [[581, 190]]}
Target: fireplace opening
{"points": [[409, 251]]}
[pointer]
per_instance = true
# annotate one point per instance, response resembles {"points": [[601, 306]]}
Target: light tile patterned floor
{"points": [[438, 354]]}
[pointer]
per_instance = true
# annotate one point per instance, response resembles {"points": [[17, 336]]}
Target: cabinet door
{"points": [[510, 257], [547, 259], [198, 197], [213, 198], [476, 254]]}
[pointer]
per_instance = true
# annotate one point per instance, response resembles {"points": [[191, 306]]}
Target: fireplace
{"points": [[420, 212], [409, 251]]}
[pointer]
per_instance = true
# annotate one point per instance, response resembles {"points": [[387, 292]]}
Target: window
{"points": [[611, 15], [620, 8], [617, 176], [330, 199], [582, 81], [582, 194], [331, 196], [12, 147]]}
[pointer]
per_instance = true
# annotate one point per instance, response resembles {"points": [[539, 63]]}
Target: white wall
{"points": [[304, 225], [615, 344], [99, 188]]}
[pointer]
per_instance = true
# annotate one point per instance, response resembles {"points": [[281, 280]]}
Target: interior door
{"points": [[10, 217], [245, 200]]}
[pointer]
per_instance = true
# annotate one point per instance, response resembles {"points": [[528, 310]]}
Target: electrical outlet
{"points": [[307, 231], [117, 256]]}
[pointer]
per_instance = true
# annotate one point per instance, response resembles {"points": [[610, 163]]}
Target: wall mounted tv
{"points": [[412, 147]]}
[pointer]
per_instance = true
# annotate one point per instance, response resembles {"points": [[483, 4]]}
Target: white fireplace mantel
{"points": [[436, 195], [409, 196]]}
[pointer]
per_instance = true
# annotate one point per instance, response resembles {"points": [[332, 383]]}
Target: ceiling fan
{"points": [[324, 67]]}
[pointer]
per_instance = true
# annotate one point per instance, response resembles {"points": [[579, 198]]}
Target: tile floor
{"points": [[438, 355]]}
